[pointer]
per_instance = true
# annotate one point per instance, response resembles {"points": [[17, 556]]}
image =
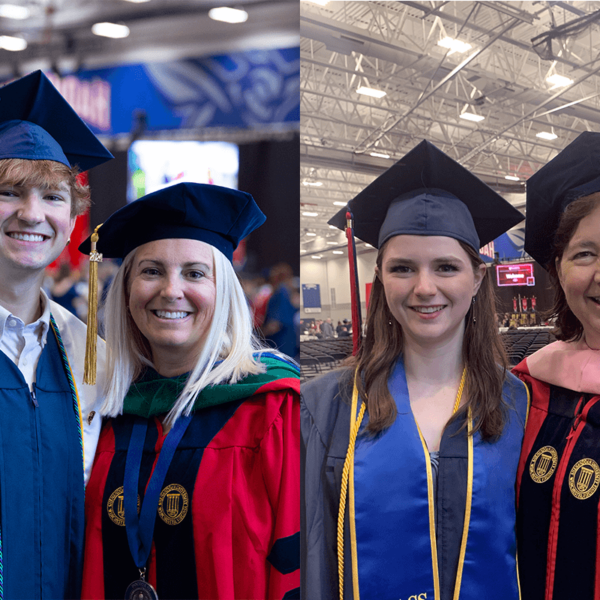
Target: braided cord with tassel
{"points": [[89, 371], [344, 492]]}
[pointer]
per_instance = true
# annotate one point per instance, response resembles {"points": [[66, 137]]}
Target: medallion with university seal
{"points": [[173, 504], [116, 509], [543, 464], [584, 478]]}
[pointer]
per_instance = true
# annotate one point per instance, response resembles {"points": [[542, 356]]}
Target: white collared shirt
{"points": [[23, 344]]}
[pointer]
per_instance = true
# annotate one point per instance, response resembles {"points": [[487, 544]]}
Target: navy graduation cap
{"points": [[572, 174], [428, 193], [216, 215], [37, 123], [212, 214]]}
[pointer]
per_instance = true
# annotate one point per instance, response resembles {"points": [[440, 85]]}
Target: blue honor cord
{"points": [[140, 528]]}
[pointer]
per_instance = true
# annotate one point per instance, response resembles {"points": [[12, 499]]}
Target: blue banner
{"points": [[509, 246], [311, 297], [247, 90]]}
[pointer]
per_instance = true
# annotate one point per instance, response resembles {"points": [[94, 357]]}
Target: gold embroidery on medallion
{"points": [[116, 508], [173, 504], [543, 464], [584, 478]]}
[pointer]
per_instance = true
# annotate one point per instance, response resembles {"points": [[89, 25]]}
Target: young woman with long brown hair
{"points": [[410, 454]]}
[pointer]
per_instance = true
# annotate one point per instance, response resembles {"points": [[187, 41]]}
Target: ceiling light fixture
{"points": [[511, 178], [228, 15], [339, 203], [316, 256], [311, 233], [310, 214], [334, 243], [110, 30], [11, 11], [380, 155], [546, 135], [333, 227], [367, 91], [454, 45], [338, 252], [319, 2], [472, 117], [558, 80], [14, 44], [313, 183]]}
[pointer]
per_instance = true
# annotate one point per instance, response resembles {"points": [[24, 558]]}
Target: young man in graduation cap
{"points": [[49, 426]]}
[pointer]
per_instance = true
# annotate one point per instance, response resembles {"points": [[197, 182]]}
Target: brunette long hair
{"points": [[567, 326], [483, 355]]}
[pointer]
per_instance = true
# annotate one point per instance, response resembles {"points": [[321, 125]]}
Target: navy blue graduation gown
{"points": [[41, 481]]}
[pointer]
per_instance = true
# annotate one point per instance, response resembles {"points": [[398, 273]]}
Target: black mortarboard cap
{"points": [[571, 174], [428, 193], [216, 215], [37, 123]]}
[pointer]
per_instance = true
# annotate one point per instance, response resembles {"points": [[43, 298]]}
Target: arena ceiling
{"points": [[394, 47], [59, 36]]}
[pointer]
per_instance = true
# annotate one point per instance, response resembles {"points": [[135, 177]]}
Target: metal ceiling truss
{"points": [[393, 47]]}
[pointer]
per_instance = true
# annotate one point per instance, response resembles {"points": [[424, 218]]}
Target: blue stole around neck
{"points": [[393, 541]]}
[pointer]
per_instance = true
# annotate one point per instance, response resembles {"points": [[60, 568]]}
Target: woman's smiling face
{"points": [[172, 293], [579, 276], [429, 284]]}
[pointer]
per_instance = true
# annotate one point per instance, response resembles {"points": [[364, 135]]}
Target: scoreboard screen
{"points": [[521, 274]]}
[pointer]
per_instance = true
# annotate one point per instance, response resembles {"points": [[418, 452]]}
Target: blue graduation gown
{"points": [[394, 512], [41, 481]]}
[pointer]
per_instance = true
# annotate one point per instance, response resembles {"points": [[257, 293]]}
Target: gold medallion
{"points": [[116, 508], [173, 504], [543, 464], [584, 478]]}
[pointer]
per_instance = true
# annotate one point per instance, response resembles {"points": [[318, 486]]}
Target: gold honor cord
{"points": [[354, 427], [89, 370], [348, 466], [465, 535]]}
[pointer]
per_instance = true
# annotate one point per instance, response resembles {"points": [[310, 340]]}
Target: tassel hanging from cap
{"points": [[354, 287], [89, 371]]}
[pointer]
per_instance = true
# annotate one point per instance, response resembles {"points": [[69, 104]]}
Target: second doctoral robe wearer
{"points": [[558, 518]]}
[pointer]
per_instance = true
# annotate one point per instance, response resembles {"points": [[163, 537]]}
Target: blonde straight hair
{"points": [[230, 340]]}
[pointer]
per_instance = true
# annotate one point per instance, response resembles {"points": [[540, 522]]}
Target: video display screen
{"points": [[156, 164], [520, 274]]}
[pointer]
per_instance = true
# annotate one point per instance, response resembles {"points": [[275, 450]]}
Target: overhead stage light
{"points": [[546, 135], [472, 117], [310, 233], [14, 44], [454, 45], [110, 30], [313, 183], [340, 203], [310, 214], [228, 15], [511, 178], [367, 91], [12, 11], [559, 80], [380, 155], [338, 252]]}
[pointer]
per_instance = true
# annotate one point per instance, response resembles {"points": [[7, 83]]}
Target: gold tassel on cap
{"points": [[89, 371]]}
